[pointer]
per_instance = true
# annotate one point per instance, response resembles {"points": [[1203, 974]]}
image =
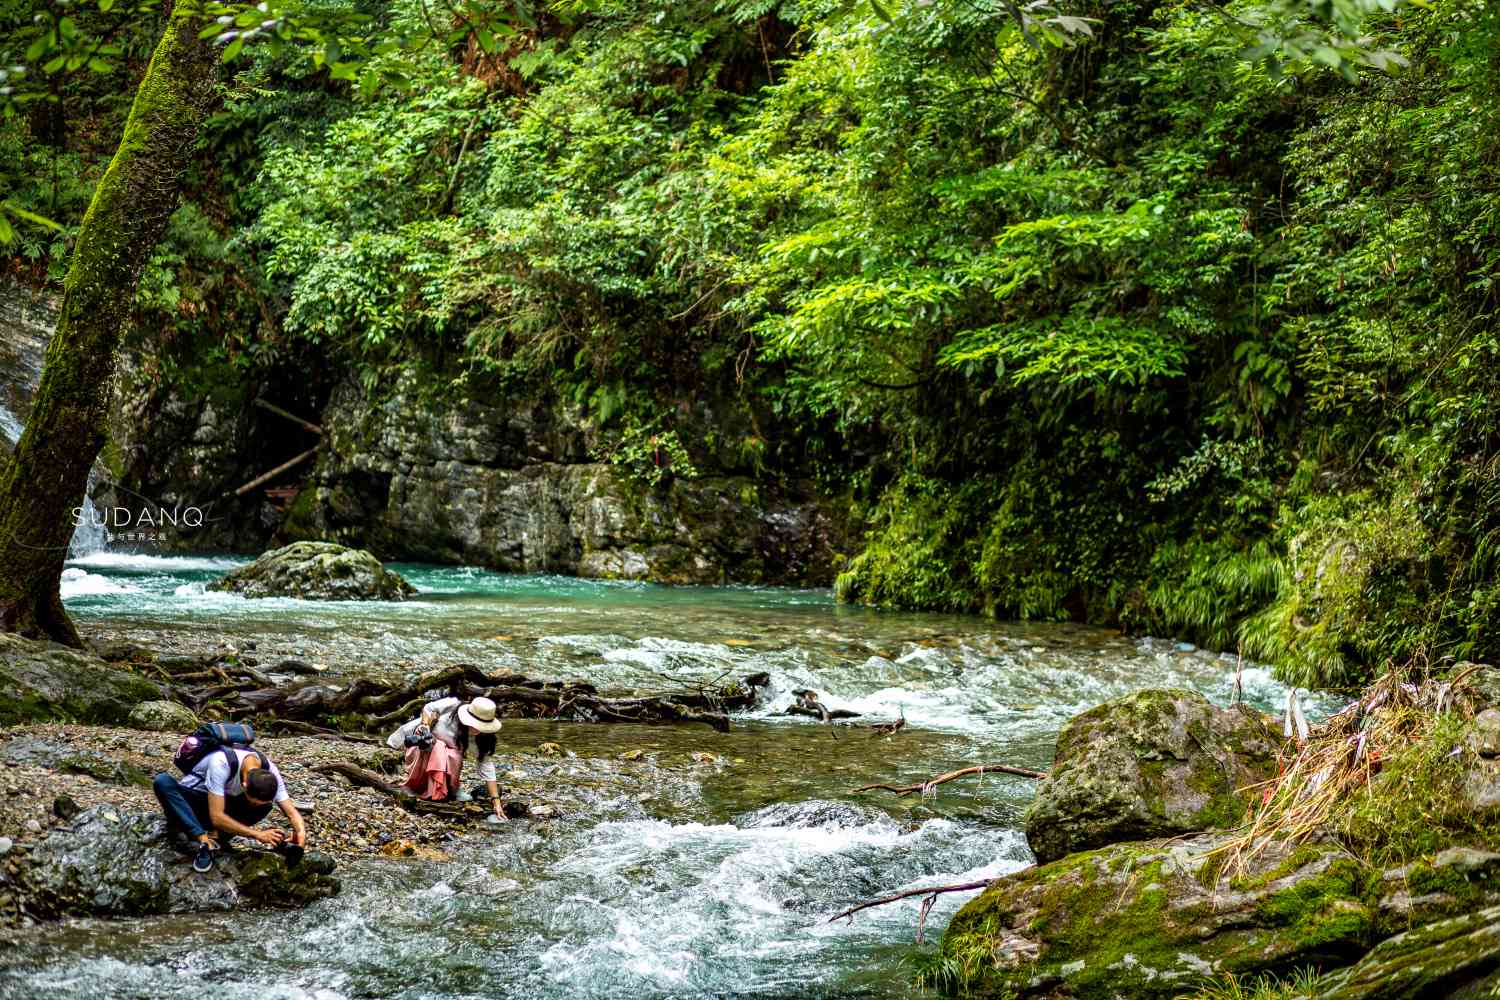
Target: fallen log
{"points": [[927, 786]]}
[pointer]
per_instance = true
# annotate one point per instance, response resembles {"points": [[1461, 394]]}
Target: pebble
{"points": [[5, 845], [33, 826]]}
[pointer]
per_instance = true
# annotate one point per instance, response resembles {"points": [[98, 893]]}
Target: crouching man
{"points": [[228, 792]]}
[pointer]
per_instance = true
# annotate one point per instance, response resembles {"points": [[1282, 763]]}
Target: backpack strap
{"points": [[236, 765]]}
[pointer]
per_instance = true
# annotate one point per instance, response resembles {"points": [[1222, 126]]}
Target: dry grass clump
{"points": [[1408, 720]]}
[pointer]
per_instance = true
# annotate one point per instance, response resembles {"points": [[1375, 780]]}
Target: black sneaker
{"points": [[204, 859]]}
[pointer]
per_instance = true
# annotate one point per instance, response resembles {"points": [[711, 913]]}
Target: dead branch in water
{"points": [[926, 786], [931, 892]]}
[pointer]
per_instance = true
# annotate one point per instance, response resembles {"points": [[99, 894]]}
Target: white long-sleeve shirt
{"points": [[445, 726]]}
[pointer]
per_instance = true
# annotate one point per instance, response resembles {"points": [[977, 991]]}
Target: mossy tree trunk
{"points": [[46, 477]]}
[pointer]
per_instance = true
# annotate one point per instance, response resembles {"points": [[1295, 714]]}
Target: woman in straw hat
{"points": [[436, 742]]}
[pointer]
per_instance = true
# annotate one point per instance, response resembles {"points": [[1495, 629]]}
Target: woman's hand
{"points": [[500, 811]]}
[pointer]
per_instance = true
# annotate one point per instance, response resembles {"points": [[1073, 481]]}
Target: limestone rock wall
{"points": [[519, 487]]}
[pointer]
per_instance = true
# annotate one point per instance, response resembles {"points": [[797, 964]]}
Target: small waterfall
{"points": [[90, 536], [10, 427]]}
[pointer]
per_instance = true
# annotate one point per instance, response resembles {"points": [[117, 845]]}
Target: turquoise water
{"points": [[718, 882]]}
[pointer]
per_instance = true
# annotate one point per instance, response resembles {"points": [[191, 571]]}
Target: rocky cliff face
{"points": [[512, 483], [518, 486], [26, 324]]}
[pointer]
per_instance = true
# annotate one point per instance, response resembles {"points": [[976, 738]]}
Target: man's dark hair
{"points": [[261, 784]]}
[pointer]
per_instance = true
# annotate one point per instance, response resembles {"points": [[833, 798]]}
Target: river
{"points": [[719, 884]]}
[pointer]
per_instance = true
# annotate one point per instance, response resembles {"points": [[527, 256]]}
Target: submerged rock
{"points": [[319, 571], [114, 863], [1153, 919], [1151, 764], [163, 716], [46, 682]]}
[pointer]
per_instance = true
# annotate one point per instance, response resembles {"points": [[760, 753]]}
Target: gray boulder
{"points": [[114, 863], [46, 682], [163, 716], [318, 571], [1151, 764]]}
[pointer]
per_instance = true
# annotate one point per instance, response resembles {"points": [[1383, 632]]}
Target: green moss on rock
{"points": [[1140, 920], [45, 682]]}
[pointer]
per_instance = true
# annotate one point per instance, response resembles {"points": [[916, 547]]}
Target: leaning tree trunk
{"points": [[47, 475]]}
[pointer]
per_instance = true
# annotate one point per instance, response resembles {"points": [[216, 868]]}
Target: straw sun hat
{"points": [[479, 713]]}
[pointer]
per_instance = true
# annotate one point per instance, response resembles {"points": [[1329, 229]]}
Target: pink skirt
{"points": [[433, 773]]}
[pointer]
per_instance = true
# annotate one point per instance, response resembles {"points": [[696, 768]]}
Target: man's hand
{"points": [[271, 838]]}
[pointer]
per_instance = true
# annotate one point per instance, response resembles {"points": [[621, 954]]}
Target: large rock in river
{"points": [[1154, 919], [1151, 764], [115, 863], [45, 682], [319, 571]]}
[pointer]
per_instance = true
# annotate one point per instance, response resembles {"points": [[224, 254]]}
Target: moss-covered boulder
{"points": [[1452, 881], [1154, 919], [163, 716], [1151, 764], [46, 682], [115, 863], [318, 571], [1458, 957]]}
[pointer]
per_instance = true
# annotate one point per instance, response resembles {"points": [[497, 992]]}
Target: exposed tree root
{"points": [[372, 705]]}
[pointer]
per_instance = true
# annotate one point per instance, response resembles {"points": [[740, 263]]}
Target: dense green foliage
{"points": [[1105, 318]]}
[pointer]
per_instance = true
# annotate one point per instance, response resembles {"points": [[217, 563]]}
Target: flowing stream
{"points": [[716, 881]]}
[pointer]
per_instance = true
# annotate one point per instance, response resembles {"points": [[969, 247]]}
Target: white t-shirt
{"points": [[213, 775]]}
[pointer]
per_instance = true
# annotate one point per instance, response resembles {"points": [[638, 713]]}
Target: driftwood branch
{"points": [[268, 476], [931, 783], [931, 892], [273, 408]]}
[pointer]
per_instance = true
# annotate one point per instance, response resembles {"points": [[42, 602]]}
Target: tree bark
{"points": [[45, 480]]}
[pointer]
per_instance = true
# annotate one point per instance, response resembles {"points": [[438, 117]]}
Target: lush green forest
{"points": [[1103, 319]]}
